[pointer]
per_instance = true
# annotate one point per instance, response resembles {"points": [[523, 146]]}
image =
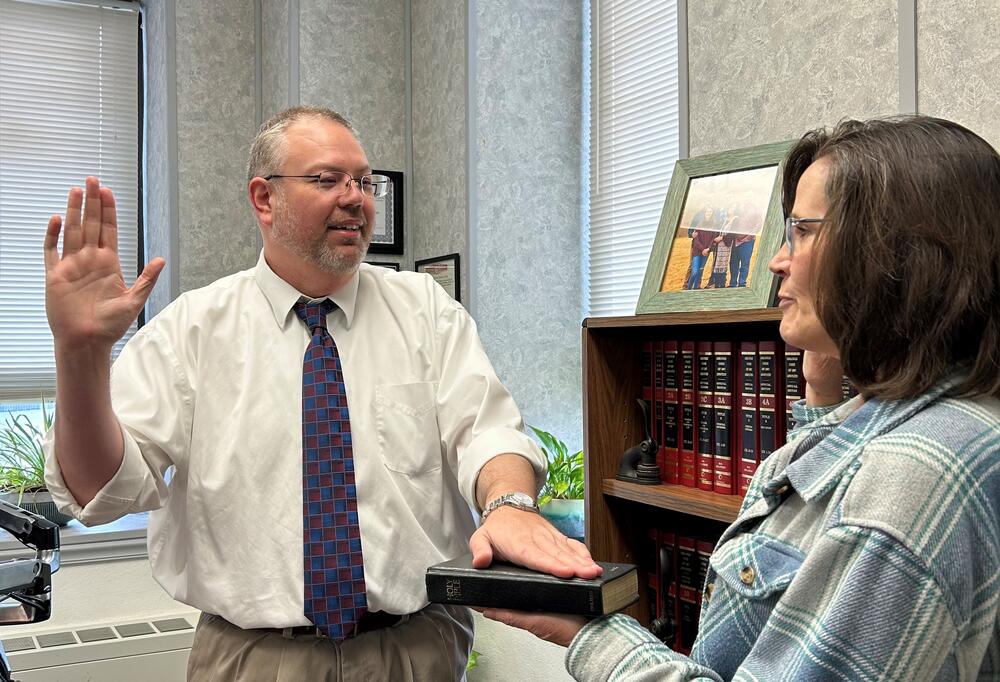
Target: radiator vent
{"points": [[71, 637], [154, 651]]}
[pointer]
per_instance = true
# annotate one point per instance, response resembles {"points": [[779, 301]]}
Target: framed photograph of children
{"points": [[445, 271], [721, 223], [387, 237]]}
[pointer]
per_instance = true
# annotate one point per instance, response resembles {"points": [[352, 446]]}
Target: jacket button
{"points": [[747, 574]]}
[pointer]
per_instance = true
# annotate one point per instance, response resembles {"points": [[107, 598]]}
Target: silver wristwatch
{"points": [[520, 500]]}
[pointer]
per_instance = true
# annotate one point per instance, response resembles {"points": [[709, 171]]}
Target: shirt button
{"points": [[747, 574], [708, 591]]}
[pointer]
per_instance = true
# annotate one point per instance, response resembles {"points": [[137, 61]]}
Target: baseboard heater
{"points": [[153, 651]]}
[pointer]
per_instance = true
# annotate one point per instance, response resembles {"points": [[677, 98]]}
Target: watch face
{"points": [[522, 498]]}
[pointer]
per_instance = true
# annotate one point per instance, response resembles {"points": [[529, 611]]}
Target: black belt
{"points": [[371, 620]]}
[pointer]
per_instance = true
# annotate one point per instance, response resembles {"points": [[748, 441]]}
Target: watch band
{"points": [[521, 501]]}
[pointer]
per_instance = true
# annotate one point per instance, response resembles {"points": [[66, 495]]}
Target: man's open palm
{"points": [[86, 299]]}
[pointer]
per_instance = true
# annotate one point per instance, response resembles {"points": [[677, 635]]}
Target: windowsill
{"points": [[78, 544]]}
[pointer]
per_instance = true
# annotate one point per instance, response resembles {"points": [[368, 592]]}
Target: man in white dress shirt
{"points": [[200, 421]]}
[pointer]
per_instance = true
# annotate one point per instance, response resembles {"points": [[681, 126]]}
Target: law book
{"points": [[767, 399], [687, 581], [722, 354], [795, 388], [688, 474], [669, 437], [748, 416], [506, 586], [705, 415], [657, 422], [847, 389]]}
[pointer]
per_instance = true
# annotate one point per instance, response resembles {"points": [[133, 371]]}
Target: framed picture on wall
{"points": [[387, 237], [384, 264], [445, 271], [721, 223]]}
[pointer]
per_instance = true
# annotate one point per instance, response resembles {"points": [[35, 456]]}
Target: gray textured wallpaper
{"points": [[274, 50], [767, 71], [958, 63], [351, 59], [439, 222], [527, 277], [215, 126]]}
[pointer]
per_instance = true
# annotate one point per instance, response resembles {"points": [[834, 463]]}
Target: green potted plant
{"points": [[22, 466], [561, 498]]}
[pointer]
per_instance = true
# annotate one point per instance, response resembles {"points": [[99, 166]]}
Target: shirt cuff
{"points": [[499, 440], [111, 502], [609, 648]]}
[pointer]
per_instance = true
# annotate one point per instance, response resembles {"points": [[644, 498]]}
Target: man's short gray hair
{"points": [[268, 150]]}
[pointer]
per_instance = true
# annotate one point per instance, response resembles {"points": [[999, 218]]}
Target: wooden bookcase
{"points": [[619, 513]]}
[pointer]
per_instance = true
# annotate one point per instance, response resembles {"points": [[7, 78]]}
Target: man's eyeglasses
{"points": [[792, 227], [339, 182]]}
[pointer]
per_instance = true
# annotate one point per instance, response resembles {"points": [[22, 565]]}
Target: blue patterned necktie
{"points": [[334, 570]]}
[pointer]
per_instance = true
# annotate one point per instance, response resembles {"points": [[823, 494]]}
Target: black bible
{"points": [[506, 586]]}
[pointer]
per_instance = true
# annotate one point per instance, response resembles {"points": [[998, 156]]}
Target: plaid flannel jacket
{"points": [[874, 542]]}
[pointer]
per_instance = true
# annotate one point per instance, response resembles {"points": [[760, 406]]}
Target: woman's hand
{"points": [[823, 375], [558, 629]]}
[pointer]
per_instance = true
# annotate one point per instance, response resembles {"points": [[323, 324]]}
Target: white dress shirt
{"points": [[209, 398]]}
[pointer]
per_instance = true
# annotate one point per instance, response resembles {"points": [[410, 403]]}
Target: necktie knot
{"points": [[314, 314]]}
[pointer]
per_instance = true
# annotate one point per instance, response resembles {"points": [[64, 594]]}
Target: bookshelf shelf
{"points": [[677, 498], [619, 514]]}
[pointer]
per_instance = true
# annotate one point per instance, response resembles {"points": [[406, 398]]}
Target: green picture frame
{"points": [[698, 193]]}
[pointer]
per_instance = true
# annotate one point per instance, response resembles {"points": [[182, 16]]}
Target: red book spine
{"points": [[657, 429], [671, 470], [767, 400], [794, 385], [687, 581], [749, 424], [689, 476], [705, 415], [723, 417]]}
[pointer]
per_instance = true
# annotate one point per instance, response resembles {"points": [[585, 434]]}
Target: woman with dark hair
{"points": [[868, 547]]}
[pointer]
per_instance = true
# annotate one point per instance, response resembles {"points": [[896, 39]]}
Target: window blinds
{"points": [[69, 98], [634, 142]]}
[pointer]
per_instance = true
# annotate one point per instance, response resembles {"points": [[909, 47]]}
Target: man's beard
{"points": [[318, 251]]}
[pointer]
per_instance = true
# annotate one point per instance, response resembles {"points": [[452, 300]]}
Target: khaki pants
{"points": [[431, 646]]}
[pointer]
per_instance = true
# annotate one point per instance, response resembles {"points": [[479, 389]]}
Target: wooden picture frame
{"points": [[445, 270], [735, 198], [387, 235]]}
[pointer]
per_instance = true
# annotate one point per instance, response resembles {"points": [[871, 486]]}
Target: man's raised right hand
{"points": [[86, 300]]}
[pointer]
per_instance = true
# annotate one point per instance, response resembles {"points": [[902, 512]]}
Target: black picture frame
{"points": [[387, 235], [446, 271], [384, 264]]}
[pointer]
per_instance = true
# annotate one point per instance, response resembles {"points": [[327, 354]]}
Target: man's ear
{"points": [[262, 200]]}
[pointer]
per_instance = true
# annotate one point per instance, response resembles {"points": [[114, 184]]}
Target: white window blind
{"points": [[634, 143], [69, 94]]}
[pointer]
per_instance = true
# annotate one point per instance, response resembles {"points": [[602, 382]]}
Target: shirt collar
{"points": [[825, 449], [281, 295]]}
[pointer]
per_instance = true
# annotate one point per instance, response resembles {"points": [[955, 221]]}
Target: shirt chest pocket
{"points": [[753, 571], [406, 423]]}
